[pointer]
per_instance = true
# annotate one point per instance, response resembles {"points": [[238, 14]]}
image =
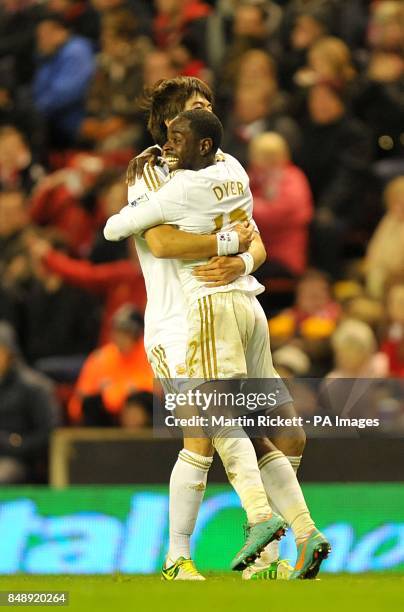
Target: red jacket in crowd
{"points": [[283, 209], [119, 282], [168, 29], [59, 208]]}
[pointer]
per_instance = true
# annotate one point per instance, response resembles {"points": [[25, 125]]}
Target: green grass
{"points": [[345, 593]]}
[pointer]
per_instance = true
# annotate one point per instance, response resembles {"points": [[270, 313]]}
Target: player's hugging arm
{"points": [[133, 220], [168, 242]]}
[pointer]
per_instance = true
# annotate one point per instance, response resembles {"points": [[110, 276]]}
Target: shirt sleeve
{"points": [[146, 211]]}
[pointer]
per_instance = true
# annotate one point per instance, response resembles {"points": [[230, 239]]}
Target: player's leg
{"points": [[188, 477], [217, 326], [277, 473]]}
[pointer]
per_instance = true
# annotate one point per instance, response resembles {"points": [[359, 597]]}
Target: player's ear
{"points": [[206, 145]]}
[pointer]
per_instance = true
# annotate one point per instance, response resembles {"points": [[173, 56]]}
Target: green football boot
{"points": [[182, 569], [277, 570], [257, 537], [310, 554]]}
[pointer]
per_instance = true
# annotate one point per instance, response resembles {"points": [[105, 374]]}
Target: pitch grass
{"points": [[221, 592]]}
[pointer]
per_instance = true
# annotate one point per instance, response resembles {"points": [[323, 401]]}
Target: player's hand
{"points": [[245, 235], [136, 165], [220, 271]]}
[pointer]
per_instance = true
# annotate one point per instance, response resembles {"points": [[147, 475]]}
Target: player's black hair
{"points": [[166, 99], [205, 125]]}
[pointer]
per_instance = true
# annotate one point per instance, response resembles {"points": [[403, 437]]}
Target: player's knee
{"points": [[290, 441], [299, 442], [262, 446]]}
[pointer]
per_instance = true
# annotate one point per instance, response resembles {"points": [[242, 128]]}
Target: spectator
{"points": [[14, 220], [379, 101], [302, 27], [311, 320], [282, 204], [256, 110], [255, 24], [18, 19], [113, 372], [18, 169], [137, 412], [111, 122], [81, 17], [158, 65], [335, 155], [62, 78], [385, 253], [386, 26], [174, 17], [27, 417], [355, 352], [329, 60], [393, 337], [58, 203], [67, 317], [117, 282]]}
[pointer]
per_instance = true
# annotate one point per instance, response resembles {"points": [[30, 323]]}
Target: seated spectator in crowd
{"points": [[304, 23], [185, 57], [386, 26], [14, 220], [328, 60], [61, 201], [18, 169], [393, 334], [283, 204], [254, 27], [174, 17], [80, 16], [111, 122], [379, 101], [113, 373], [17, 38], [314, 303], [65, 67], [117, 282], [312, 319], [255, 111], [335, 156], [110, 192], [58, 323], [385, 253], [137, 412], [158, 65], [27, 417], [355, 352]]}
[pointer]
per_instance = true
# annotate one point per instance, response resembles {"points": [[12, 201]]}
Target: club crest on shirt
{"points": [[143, 198]]}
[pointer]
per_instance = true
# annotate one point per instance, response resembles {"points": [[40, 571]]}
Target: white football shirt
{"points": [[201, 202], [165, 313]]}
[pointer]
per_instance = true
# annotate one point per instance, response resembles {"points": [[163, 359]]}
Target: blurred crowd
{"points": [[311, 95]]}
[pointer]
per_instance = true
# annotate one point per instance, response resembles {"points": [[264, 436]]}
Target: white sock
{"points": [[295, 462], [240, 462], [187, 488], [271, 550], [285, 494]]}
